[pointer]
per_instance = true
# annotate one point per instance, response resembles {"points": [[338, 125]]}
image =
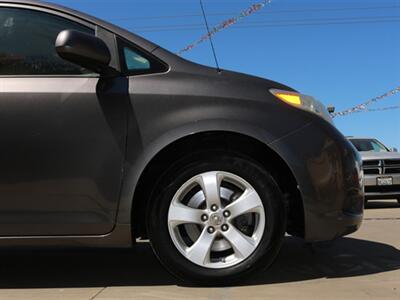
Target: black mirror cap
{"points": [[331, 109], [84, 50]]}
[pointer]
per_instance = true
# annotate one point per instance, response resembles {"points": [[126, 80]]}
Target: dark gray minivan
{"points": [[107, 138]]}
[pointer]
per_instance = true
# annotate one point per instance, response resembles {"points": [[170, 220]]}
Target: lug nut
{"points": [[214, 207], [204, 218], [210, 229], [224, 227], [227, 214]]}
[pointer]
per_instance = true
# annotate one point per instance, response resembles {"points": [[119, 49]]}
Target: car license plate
{"points": [[385, 181]]}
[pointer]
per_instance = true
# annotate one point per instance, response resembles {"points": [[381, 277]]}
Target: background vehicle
{"points": [[381, 169], [107, 137]]}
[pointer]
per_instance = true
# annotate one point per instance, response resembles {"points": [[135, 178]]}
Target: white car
{"points": [[381, 169]]}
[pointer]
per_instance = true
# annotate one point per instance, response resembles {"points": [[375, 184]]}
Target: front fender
{"points": [[165, 108], [136, 166]]}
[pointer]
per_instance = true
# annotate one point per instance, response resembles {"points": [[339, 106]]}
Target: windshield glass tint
{"points": [[368, 145]]}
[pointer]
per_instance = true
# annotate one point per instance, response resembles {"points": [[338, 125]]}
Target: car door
{"points": [[62, 131]]}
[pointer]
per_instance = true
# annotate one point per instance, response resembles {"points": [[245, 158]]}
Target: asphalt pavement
{"points": [[365, 265]]}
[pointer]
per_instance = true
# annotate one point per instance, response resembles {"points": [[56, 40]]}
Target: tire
{"points": [[398, 201], [223, 266]]}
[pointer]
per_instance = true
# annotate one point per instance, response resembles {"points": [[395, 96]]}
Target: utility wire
{"points": [[197, 26], [260, 13], [275, 25], [382, 108]]}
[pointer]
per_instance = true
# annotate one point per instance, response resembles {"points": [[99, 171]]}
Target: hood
{"points": [[181, 65], [369, 155]]}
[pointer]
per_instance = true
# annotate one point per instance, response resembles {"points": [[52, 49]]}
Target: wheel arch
{"points": [[248, 146]]}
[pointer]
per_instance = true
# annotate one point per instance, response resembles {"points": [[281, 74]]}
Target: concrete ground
{"points": [[365, 265]]}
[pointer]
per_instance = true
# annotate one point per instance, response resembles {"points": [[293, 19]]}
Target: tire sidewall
{"points": [[270, 242]]}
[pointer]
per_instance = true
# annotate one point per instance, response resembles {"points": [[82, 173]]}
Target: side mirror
{"points": [[331, 109], [84, 50], [393, 150]]}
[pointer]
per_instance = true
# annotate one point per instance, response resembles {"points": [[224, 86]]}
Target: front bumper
{"points": [[328, 170], [374, 191]]}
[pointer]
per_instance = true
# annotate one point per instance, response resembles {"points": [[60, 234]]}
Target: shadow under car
{"points": [[297, 261]]}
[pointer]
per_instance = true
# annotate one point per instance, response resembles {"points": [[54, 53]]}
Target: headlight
{"points": [[303, 102]]}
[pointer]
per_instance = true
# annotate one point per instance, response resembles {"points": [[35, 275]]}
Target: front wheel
{"points": [[216, 218]]}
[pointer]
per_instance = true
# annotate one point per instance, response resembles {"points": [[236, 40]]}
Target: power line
{"points": [[260, 13], [382, 108], [161, 29], [178, 26]]}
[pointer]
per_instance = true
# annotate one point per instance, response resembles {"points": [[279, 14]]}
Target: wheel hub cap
{"points": [[216, 220]]}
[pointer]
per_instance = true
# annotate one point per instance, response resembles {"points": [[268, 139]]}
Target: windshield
{"points": [[369, 145]]}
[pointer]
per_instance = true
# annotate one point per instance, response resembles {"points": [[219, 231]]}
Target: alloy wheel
{"points": [[216, 219]]}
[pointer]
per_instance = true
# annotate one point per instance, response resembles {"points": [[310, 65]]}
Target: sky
{"points": [[341, 52]]}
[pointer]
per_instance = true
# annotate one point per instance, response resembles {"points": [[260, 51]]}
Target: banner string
{"points": [[225, 24], [364, 106]]}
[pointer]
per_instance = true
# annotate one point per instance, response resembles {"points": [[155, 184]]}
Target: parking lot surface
{"points": [[365, 265]]}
